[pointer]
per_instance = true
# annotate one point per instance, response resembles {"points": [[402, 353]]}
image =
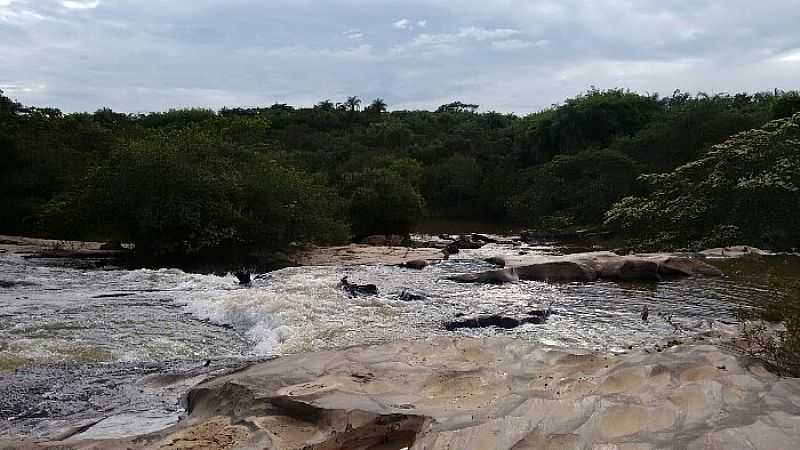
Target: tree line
{"points": [[238, 180]]}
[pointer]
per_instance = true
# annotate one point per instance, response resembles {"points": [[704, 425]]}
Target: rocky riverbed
{"points": [[479, 394], [89, 352]]}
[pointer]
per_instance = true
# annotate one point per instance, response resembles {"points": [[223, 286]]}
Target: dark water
{"points": [[75, 342]]}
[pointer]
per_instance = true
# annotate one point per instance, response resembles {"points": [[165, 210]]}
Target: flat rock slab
{"points": [[482, 394], [358, 254], [587, 267]]}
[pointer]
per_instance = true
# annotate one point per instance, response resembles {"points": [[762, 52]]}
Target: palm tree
{"points": [[325, 105], [377, 106], [353, 103]]}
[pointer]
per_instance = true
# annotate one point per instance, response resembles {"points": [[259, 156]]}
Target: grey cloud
{"points": [[509, 55]]}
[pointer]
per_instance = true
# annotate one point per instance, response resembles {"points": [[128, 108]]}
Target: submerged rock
{"points": [[480, 394], [354, 289], [416, 264], [500, 321]]}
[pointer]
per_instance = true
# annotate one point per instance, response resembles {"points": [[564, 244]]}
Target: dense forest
{"points": [[680, 171]]}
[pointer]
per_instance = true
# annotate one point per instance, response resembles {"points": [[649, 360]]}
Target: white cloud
{"points": [[517, 44], [81, 4], [402, 24], [790, 57], [483, 34], [353, 34], [422, 23]]}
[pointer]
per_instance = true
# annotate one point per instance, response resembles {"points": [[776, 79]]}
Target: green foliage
{"points": [[573, 189], [193, 190], [383, 202], [738, 192], [199, 179]]}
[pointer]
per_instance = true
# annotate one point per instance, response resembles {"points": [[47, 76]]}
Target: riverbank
{"points": [[494, 393]]}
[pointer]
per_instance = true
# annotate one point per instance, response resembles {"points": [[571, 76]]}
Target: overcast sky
{"points": [[506, 55]]}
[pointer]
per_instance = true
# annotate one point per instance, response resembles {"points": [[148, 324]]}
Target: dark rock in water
{"points": [[417, 264], [495, 320], [8, 284], [490, 277], [243, 277], [496, 260], [407, 296], [112, 245], [354, 289], [483, 238], [463, 242]]}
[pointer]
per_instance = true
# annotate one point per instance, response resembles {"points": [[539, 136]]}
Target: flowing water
{"points": [[76, 342]]}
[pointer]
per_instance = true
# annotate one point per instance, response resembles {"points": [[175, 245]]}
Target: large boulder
{"points": [[557, 272], [587, 267], [679, 267], [488, 277], [481, 394]]}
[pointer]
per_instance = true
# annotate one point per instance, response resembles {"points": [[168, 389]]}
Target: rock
{"points": [[489, 277], [680, 267], [496, 260], [556, 271], [735, 251], [393, 240], [243, 276], [500, 321], [586, 267], [486, 394], [416, 264], [112, 245], [483, 238], [407, 296], [354, 289]]}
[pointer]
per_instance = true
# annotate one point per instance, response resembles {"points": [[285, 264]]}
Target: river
{"points": [[76, 341]]}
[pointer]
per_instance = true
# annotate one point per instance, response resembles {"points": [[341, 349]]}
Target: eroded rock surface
{"points": [[481, 394], [586, 267]]}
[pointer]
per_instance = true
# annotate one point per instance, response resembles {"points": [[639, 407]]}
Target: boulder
{"points": [[480, 394], [483, 238], [735, 251], [488, 277], [499, 321], [557, 271], [676, 266], [354, 290], [496, 260], [586, 267], [416, 264]]}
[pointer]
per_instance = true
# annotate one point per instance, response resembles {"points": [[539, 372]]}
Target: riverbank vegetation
{"points": [[679, 171]]}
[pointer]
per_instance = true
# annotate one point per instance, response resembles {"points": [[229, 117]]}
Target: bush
{"points": [[737, 193], [382, 202], [194, 190]]}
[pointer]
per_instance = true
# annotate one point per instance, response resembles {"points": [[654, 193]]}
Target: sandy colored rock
{"points": [[586, 267], [356, 254], [494, 393]]}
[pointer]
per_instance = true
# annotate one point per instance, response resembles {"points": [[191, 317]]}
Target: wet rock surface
{"points": [[478, 394], [586, 267], [58, 400]]}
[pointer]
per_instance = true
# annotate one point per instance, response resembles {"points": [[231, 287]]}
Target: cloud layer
{"points": [[507, 55]]}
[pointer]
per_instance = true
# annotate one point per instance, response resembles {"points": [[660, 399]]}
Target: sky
{"points": [[515, 56]]}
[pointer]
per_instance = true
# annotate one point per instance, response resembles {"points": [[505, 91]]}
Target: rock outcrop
{"points": [[586, 267], [483, 394]]}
